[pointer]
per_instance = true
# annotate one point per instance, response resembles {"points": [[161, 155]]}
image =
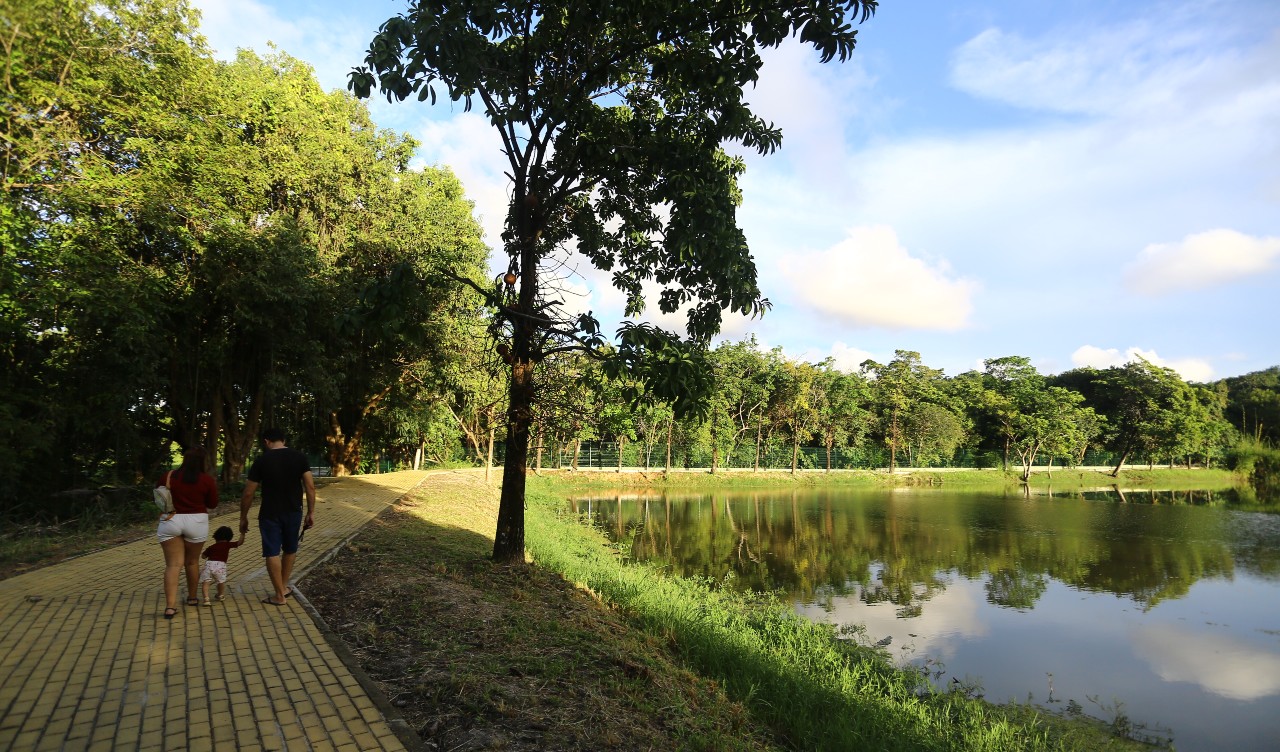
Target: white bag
{"points": [[163, 497]]}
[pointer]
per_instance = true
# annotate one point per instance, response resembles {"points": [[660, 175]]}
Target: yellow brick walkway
{"points": [[88, 663]]}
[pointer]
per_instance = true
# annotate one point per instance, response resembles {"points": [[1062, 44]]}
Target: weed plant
{"points": [[1258, 462], [815, 690]]}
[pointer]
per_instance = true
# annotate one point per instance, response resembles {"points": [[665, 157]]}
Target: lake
{"points": [[1158, 609]]}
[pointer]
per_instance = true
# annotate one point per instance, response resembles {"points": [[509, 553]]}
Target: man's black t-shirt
{"points": [[279, 472]]}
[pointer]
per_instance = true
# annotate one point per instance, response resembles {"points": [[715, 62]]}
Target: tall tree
{"points": [[99, 97], [899, 388], [1141, 402], [1253, 404], [1012, 386], [844, 417], [616, 145]]}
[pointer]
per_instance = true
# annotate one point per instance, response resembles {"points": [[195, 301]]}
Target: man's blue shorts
{"points": [[280, 533]]}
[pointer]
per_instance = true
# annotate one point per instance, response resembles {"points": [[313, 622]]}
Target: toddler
{"points": [[215, 568]]}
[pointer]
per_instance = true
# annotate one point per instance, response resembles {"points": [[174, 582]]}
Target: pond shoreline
{"points": [[1132, 477]]}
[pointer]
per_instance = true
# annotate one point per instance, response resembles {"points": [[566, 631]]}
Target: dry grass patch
{"points": [[481, 656]]}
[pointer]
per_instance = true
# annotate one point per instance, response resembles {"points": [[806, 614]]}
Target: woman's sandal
{"points": [[193, 601], [169, 613]]}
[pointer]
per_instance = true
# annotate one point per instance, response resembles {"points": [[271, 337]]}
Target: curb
{"points": [[399, 726]]}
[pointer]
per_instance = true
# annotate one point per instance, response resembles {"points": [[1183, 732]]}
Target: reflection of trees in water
{"points": [[1015, 588], [900, 547]]}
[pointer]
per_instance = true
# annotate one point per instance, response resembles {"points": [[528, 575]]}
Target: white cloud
{"points": [[1179, 61], [843, 357], [1224, 666], [1201, 260], [470, 146], [1098, 72], [850, 359], [813, 104], [1190, 369], [870, 280], [332, 45]]}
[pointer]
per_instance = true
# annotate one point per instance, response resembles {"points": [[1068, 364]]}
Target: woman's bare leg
{"points": [[193, 567], [173, 560]]}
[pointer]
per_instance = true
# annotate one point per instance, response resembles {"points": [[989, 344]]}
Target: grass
{"points": [[1064, 478], [578, 650], [477, 655], [27, 547]]}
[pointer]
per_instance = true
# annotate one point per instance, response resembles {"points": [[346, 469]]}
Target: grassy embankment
{"points": [[1163, 478], [624, 657]]}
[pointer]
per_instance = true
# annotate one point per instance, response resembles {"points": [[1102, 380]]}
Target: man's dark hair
{"points": [[273, 434]]}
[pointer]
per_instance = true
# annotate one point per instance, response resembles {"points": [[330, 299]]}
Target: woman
{"points": [[183, 534]]}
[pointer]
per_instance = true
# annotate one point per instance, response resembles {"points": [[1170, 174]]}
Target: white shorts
{"points": [[194, 528], [214, 571]]}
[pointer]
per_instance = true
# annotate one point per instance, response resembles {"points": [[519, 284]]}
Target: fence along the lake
{"points": [[603, 455]]}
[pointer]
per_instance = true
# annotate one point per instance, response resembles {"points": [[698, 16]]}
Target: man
{"points": [[284, 474]]}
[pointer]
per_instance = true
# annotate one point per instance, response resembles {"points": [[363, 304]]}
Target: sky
{"points": [[1074, 181]]}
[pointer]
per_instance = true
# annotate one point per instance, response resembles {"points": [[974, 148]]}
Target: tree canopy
{"points": [[193, 248]]}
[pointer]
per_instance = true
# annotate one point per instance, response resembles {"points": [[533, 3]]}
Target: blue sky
{"points": [[1075, 181]]}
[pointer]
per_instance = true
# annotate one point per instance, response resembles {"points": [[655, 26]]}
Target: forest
{"points": [[192, 250]]}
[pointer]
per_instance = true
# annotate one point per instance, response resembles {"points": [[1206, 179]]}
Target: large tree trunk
{"points": [[344, 440], [508, 540], [343, 449], [239, 438]]}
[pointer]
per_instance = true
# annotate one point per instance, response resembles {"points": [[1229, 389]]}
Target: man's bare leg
{"points": [[276, 573], [286, 570]]}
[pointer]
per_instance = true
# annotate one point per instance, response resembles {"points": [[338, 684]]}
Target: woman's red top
{"points": [[192, 498]]}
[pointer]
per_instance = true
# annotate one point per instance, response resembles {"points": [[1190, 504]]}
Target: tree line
{"points": [[763, 404], [194, 249]]}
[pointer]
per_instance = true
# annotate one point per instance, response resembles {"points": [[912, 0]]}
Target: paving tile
{"points": [[88, 662]]}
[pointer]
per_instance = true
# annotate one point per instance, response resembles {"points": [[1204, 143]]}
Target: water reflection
{"points": [[892, 546], [1221, 664], [954, 614], [1166, 602]]}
